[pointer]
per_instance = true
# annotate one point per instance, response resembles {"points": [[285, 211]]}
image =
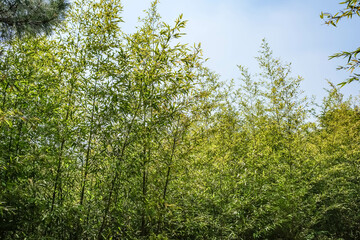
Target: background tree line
{"points": [[109, 135]]}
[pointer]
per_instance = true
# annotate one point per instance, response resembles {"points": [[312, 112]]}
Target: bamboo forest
{"points": [[112, 135]]}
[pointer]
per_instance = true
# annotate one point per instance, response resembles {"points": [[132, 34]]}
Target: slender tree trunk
{"points": [[144, 193], [61, 150], [58, 174], [113, 190]]}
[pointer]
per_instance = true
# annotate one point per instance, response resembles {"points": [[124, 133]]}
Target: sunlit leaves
{"points": [[108, 135]]}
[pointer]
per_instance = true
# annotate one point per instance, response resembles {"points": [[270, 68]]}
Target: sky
{"points": [[231, 31]]}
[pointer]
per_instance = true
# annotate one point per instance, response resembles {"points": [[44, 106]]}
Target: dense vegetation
{"points": [[108, 135], [21, 17]]}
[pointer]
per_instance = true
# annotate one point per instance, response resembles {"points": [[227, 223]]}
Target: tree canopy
{"points": [[18, 17], [114, 135]]}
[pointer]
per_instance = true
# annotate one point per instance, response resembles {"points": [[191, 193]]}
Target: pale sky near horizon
{"points": [[231, 31]]}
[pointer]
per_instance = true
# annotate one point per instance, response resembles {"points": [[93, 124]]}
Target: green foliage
{"points": [[19, 17], [108, 135], [353, 62]]}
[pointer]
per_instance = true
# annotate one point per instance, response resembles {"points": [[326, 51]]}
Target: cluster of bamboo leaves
{"points": [[108, 135]]}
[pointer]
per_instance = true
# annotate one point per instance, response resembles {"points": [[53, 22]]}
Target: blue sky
{"points": [[231, 31]]}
